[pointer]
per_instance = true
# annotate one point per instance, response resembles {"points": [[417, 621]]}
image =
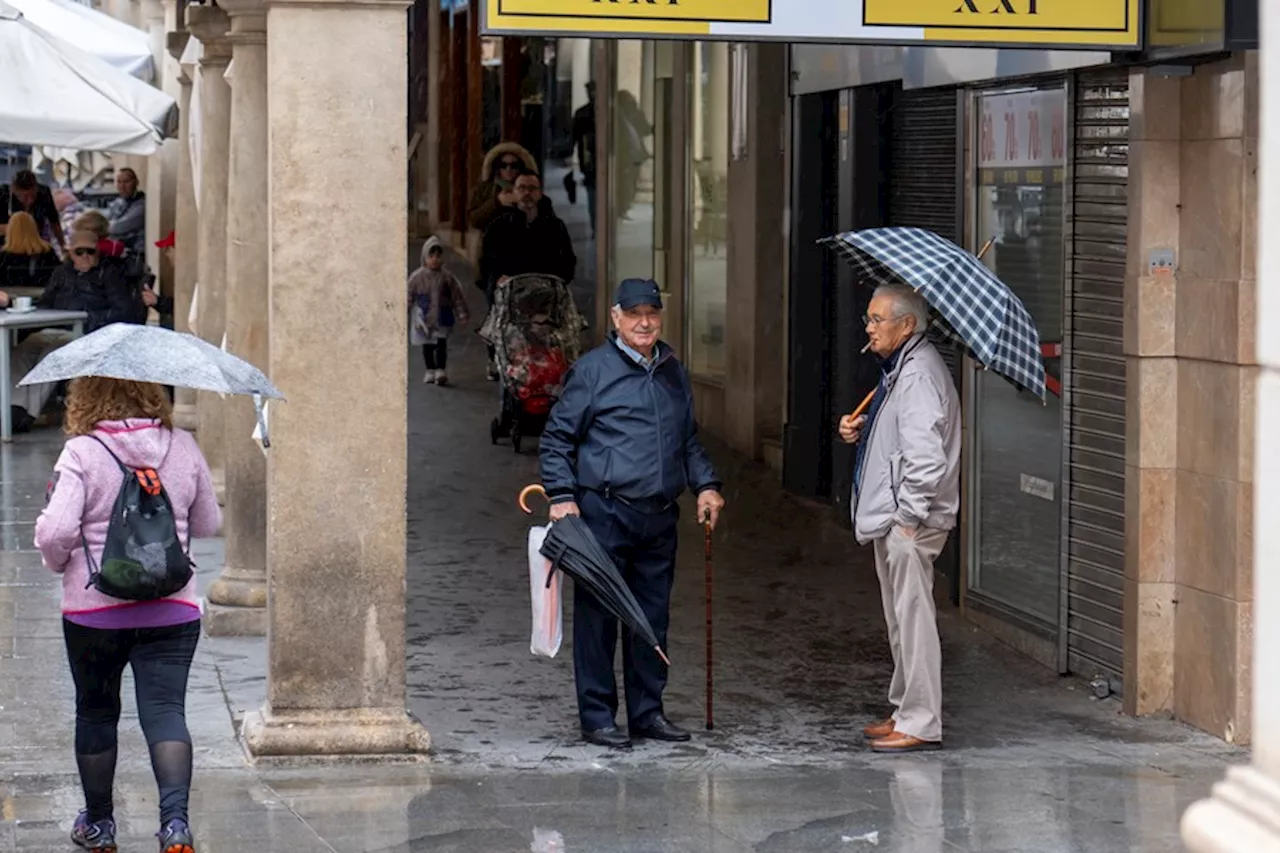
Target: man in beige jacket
{"points": [[906, 493]]}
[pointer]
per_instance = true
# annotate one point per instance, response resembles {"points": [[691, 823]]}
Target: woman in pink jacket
{"points": [[157, 638]]}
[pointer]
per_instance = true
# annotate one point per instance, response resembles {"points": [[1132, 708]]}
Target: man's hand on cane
{"points": [[709, 505]]}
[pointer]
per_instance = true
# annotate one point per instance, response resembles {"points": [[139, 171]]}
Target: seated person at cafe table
{"points": [[85, 284], [26, 260]]}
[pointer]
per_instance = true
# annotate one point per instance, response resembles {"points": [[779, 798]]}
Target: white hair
{"points": [[908, 301]]}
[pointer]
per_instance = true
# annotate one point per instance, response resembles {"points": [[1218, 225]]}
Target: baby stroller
{"points": [[535, 329]]}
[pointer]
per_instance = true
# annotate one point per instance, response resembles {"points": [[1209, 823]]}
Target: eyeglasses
{"points": [[876, 320], [84, 253]]}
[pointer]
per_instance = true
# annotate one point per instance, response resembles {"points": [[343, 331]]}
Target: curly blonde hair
{"points": [[22, 237], [93, 399]]}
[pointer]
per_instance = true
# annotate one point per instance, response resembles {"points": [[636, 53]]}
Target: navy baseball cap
{"points": [[638, 291]]}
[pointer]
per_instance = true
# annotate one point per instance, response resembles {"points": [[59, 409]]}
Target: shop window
{"points": [[633, 188], [1022, 160], [709, 210]]}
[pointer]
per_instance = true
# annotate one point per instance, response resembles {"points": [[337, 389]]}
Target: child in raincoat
{"points": [[436, 305]]}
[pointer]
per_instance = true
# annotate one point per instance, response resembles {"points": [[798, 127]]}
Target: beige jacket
{"points": [[911, 472]]}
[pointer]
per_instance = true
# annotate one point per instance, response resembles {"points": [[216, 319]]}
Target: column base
{"points": [[349, 735], [1241, 816], [236, 605], [184, 416], [221, 620]]}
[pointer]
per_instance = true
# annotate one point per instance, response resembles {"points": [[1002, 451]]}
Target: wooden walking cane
{"points": [[706, 528]]}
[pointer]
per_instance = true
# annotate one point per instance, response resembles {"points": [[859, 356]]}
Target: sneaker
{"points": [[94, 836], [175, 837], [442, 378], [429, 377]]}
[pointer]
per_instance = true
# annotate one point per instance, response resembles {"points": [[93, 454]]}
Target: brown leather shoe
{"points": [[897, 742], [877, 730]]}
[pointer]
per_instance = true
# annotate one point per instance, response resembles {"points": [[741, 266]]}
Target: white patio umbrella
{"points": [[53, 93], [115, 42]]}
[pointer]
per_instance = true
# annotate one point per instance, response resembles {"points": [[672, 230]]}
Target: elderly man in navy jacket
{"points": [[620, 447]]}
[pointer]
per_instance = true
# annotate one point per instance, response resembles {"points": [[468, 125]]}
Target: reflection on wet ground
{"points": [[900, 805]]}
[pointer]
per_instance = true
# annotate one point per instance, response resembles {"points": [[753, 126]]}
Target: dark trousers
{"points": [[436, 355], [644, 547], [161, 661]]}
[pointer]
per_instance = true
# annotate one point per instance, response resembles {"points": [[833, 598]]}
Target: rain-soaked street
{"points": [[1032, 762]]}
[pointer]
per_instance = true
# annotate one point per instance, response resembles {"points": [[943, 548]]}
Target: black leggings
{"points": [[436, 355], [161, 661]]}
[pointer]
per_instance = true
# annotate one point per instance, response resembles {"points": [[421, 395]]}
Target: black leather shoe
{"points": [[610, 736], [660, 728]]}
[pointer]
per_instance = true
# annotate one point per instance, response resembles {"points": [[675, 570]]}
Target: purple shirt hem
{"points": [[150, 614]]}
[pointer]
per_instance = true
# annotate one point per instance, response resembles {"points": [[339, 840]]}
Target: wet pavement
{"points": [[1032, 762]]}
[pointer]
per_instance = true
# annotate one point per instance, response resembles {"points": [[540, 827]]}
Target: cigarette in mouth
{"points": [[867, 347]]}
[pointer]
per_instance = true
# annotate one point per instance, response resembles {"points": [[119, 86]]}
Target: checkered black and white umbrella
{"points": [[973, 307]]}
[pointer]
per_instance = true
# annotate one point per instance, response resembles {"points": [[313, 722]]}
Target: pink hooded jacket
{"points": [[86, 481]]}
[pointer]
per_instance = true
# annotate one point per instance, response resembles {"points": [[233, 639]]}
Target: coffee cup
{"points": [[22, 303]]}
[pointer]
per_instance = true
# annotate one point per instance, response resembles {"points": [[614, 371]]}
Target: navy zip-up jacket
{"points": [[626, 429]]}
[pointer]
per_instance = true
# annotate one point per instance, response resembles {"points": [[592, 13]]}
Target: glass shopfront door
{"points": [[1015, 511]]}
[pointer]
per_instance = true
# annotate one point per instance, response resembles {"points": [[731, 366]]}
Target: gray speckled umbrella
{"points": [[152, 354], [160, 355]]}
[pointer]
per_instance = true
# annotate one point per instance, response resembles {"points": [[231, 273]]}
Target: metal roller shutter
{"points": [[924, 170], [1095, 392]]}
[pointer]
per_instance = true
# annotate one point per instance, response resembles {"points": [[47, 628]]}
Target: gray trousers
{"points": [[905, 567]]}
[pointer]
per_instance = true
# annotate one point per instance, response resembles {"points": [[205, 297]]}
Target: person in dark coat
{"points": [[101, 290], [83, 283], [526, 238], [28, 195], [495, 194], [26, 260], [620, 447]]}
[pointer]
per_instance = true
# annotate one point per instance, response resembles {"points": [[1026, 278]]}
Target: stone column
{"points": [[162, 170], [336, 471], [238, 599], [210, 25], [186, 224], [1243, 813]]}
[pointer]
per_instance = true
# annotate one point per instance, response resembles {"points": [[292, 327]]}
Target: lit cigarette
{"points": [[867, 347]]}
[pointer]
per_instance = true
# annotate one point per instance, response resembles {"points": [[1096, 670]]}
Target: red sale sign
{"points": [[1023, 130]]}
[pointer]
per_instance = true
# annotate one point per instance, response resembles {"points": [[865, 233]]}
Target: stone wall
{"points": [[1189, 342]]}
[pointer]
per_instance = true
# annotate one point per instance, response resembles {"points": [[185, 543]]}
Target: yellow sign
{"points": [[1075, 19], [703, 11], [1078, 24], [1185, 22]]}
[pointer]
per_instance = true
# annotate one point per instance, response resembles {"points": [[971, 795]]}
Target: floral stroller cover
{"points": [[536, 331]]}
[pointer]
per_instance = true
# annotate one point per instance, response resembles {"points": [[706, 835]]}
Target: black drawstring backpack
{"points": [[143, 558]]}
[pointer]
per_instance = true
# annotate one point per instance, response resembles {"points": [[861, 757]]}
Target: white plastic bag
{"points": [[545, 601]]}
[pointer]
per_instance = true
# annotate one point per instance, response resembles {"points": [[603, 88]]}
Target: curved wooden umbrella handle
{"points": [[531, 489]]}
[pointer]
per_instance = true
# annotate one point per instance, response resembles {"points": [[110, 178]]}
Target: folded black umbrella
{"points": [[573, 549]]}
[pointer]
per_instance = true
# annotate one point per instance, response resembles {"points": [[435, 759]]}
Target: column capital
{"points": [[243, 8], [175, 41], [210, 25], [248, 20]]}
